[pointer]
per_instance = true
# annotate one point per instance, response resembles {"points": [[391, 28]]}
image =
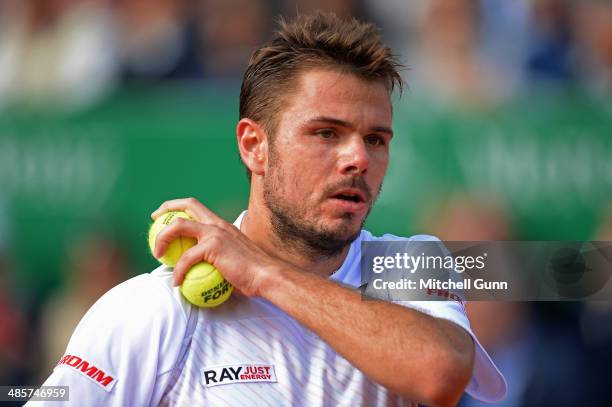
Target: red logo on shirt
{"points": [[106, 381], [445, 294]]}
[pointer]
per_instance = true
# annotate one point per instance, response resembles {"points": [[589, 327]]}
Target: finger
{"points": [[179, 227], [190, 205], [194, 208], [190, 258], [204, 251]]}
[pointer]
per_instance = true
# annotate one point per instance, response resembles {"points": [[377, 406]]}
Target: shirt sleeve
{"points": [[487, 383], [124, 349]]}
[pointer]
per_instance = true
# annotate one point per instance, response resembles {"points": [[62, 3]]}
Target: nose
{"points": [[354, 157]]}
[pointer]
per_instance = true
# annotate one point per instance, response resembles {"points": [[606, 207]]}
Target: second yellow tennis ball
{"points": [[204, 286], [178, 246]]}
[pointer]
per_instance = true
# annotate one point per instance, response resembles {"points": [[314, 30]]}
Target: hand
{"points": [[220, 243]]}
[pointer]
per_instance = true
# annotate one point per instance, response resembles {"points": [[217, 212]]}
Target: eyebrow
{"points": [[342, 123]]}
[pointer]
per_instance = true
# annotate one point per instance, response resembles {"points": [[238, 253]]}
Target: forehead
{"points": [[344, 96]]}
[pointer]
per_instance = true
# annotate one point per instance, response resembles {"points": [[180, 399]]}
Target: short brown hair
{"points": [[315, 40]]}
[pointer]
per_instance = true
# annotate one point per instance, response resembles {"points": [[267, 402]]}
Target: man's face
{"points": [[327, 159]]}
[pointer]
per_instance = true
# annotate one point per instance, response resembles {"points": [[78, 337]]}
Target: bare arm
{"points": [[423, 358]]}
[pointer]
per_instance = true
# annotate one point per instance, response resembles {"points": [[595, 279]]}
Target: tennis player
{"points": [[314, 132]]}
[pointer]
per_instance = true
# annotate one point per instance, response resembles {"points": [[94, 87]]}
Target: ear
{"points": [[252, 145]]}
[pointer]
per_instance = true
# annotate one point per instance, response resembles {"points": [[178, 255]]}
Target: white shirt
{"points": [[143, 344]]}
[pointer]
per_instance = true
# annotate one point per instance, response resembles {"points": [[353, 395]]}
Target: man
{"points": [[314, 134]]}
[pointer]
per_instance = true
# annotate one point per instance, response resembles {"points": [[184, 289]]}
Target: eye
{"points": [[325, 133], [375, 140]]}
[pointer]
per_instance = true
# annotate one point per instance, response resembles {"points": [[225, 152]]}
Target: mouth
{"points": [[350, 199], [350, 195]]}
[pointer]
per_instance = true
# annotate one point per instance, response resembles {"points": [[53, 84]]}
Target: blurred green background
{"points": [[546, 161]]}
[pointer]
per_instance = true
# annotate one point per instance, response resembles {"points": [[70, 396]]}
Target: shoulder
{"points": [[141, 300], [350, 271], [366, 236], [144, 315], [420, 243], [149, 293], [125, 347]]}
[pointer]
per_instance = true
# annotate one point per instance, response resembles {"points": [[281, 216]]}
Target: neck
{"points": [[256, 225]]}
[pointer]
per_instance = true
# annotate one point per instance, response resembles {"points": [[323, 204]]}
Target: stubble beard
{"points": [[292, 228]]}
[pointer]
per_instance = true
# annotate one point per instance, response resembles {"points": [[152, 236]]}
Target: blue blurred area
{"points": [[108, 108]]}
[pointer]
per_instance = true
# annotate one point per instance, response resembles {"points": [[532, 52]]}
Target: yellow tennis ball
{"points": [[204, 286], [178, 246]]}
